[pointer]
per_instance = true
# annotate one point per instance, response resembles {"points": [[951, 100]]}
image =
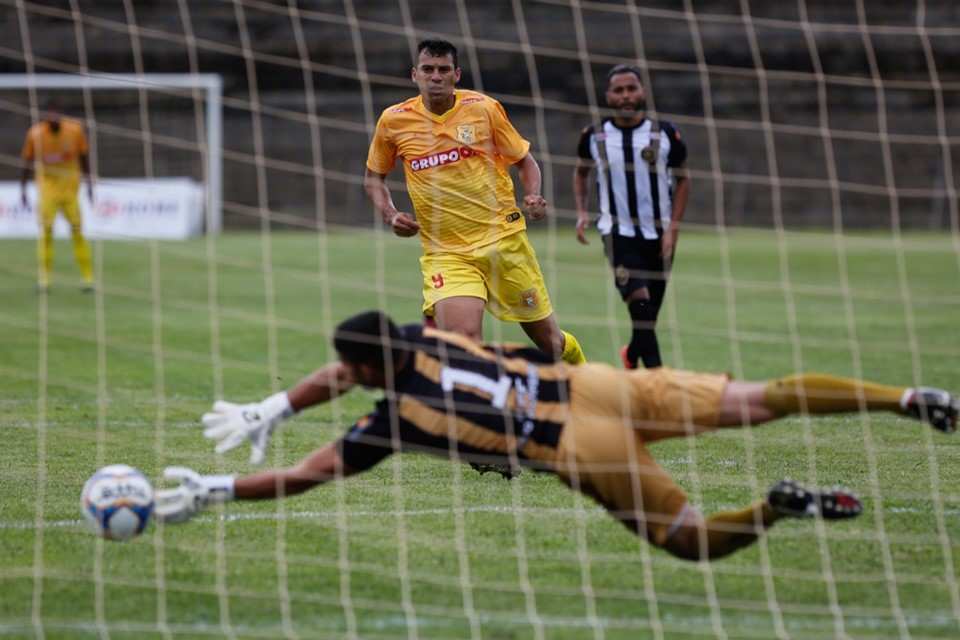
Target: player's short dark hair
{"points": [[438, 48], [624, 68], [367, 338]]}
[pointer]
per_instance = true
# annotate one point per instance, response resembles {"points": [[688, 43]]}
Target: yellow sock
{"points": [[81, 251], [818, 393], [572, 353], [732, 530], [45, 255]]}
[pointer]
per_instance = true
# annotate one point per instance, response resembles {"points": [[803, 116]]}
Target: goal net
{"points": [[821, 234], [174, 194]]}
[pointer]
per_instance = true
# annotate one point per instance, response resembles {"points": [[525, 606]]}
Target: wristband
{"points": [[219, 488], [277, 406]]}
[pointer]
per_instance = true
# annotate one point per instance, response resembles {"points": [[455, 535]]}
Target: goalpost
{"points": [[210, 146], [823, 233]]}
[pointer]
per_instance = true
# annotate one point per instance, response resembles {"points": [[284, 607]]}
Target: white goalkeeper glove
{"points": [[230, 424], [193, 495]]}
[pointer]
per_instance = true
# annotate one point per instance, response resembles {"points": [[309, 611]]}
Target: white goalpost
{"points": [[210, 86]]}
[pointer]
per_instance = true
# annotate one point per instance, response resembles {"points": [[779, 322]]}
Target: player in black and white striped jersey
{"points": [[642, 191]]}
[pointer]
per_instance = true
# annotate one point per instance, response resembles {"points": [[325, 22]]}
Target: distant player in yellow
{"points": [[56, 150], [457, 148]]}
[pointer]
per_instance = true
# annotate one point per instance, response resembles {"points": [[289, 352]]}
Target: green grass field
{"points": [[422, 549]]}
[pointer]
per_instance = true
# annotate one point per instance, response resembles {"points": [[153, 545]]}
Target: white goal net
{"points": [[822, 233]]}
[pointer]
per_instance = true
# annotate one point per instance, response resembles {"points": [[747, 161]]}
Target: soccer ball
{"points": [[117, 502]]}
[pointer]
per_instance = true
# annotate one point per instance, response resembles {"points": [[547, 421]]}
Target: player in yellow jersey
{"points": [[56, 150], [457, 148]]}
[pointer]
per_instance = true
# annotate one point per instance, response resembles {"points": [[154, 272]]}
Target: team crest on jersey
{"points": [[622, 274], [467, 133], [529, 298]]}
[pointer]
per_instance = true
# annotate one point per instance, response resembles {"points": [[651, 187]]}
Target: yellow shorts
{"points": [[504, 273], [52, 200], [613, 415]]}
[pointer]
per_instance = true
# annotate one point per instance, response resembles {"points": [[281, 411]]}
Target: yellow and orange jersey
{"points": [[456, 167], [56, 156]]}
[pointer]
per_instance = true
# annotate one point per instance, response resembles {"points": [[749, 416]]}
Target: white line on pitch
{"points": [[318, 515]]}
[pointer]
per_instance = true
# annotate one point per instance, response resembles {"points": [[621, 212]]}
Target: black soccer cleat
{"points": [[506, 471], [789, 498], [936, 406]]}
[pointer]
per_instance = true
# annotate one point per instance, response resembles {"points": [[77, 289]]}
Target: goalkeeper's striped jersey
{"points": [[458, 399], [456, 167]]}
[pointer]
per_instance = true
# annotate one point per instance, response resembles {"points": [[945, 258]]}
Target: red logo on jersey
{"points": [[437, 280], [441, 158]]}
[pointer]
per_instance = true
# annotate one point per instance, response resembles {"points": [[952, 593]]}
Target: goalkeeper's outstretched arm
{"points": [[196, 492], [321, 386], [233, 424], [319, 467]]}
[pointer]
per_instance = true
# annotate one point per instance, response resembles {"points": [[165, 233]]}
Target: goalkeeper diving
{"points": [[589, 425]]}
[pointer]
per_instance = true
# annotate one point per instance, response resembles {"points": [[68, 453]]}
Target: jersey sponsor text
{"points": [[441, 158]]}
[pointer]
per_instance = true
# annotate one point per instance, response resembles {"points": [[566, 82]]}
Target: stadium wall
{"points": [[289, 162]]}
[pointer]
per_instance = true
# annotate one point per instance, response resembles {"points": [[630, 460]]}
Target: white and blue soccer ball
{"points": [[117, 502]]}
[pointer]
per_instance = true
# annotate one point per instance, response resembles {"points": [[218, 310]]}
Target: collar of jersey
{"points": [[446, 114], [636, 126]]}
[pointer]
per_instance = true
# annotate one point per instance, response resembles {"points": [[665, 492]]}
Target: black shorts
{"points": [[636, 263]]}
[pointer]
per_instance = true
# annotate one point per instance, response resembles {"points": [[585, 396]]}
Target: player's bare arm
{"points": [[534, 204], [319, 467], [668, 243], [26, 174], [85, 169], [196, 492], [25, 177], [327, 382], [581, 191], [403, 224]]}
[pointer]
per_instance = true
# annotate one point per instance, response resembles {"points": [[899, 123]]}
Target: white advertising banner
{"points": [[163, 208]]}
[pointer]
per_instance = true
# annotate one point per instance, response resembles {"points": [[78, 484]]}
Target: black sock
{"points": [[643, 341]]}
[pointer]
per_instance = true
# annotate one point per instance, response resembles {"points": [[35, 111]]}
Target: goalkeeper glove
{"points": [[230, 424], [192, 496]]}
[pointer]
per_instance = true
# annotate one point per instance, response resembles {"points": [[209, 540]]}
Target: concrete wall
{"points": [[718, 107]]}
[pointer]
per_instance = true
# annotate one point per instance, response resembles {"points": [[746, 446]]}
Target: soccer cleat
{"points": [[626, 360], [789, 498], [506, 471], [87, 287], [936, 406]]}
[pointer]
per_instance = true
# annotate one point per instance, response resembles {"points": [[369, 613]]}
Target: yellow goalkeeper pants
{"points": [[47, 208]]}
